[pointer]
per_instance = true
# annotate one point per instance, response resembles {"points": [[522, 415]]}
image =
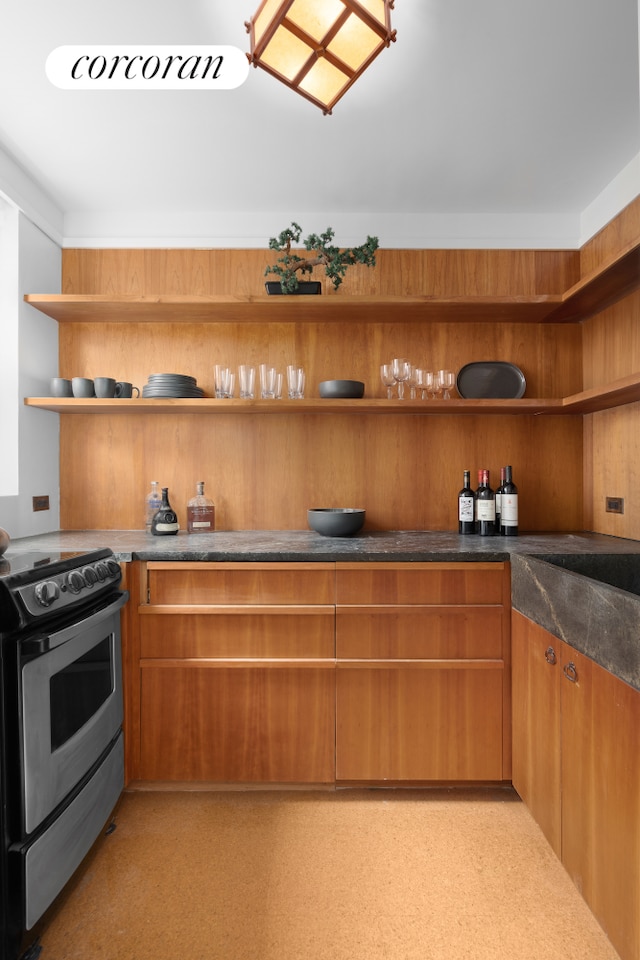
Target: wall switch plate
{"points": [[40, 503], [615, 504]]}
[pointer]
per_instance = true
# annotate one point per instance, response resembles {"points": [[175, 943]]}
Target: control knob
{"points": [[75, 581], [46, 592], [90, 576], [101, 571]]}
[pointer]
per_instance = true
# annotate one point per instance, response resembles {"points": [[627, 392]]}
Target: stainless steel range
{"points": [[61, 745]]}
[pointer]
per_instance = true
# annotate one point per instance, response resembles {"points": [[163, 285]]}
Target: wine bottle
{"points": [[153, 502], [165, 521], [499, 499], [485, 506], [466, 506], [509, 517], [200, 512]]}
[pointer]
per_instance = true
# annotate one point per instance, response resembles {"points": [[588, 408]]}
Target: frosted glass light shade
{"points": [[319, 47]]}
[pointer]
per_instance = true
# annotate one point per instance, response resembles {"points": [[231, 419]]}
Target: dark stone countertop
{"points": [[579, 601], [305, 545]]}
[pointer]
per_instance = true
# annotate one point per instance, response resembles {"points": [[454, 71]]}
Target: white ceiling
{"points": [[482, 108]]}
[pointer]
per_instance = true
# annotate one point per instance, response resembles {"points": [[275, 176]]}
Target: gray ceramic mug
{"points": [[82, 387], [105, 387], [61, 387], [125, 390]]}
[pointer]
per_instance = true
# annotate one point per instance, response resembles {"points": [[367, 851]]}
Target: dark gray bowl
{"points": [[336, 521], [341, 389]]}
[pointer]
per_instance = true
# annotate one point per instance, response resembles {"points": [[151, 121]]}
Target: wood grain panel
{"points": [[419, 633], [614, 237], [238, 583], [614, 451], [417, 723], [398, 272], [419, 583], [244, 724], [536, 728], [601, 798], [245, 635], [265, 472]]}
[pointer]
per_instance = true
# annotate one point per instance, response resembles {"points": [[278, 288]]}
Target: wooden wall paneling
{"points": [[611, 342], [614, 237], [614, 454], [265, 472]]}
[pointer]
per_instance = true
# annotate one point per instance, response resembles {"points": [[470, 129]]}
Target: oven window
{"points": [[79, 690]]}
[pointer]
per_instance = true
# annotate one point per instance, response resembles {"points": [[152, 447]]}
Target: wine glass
{"points": [[388, 379], [413, 381], [401, 371], [446, 381], [427, 384]]}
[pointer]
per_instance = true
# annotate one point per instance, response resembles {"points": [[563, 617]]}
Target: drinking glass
{"points": [[247, 378], [446, 382], [295, 382], [268, 381], [413, 381], [220, 375], [427, 384], [229, 385], [401, 372], [388, 379]]}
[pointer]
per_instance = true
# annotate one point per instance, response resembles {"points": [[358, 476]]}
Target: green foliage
{"points": [[334, 260]]}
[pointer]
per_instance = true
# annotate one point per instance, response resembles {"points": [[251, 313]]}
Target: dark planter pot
{"points": [[305, 288]]}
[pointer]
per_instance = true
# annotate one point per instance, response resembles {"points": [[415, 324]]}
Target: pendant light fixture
{"points": [[319, 47]]}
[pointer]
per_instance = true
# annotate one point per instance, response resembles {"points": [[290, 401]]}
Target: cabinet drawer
{"points": [[241, 583], [309, 633], [407, 583], [420, 721], [419, 632], [213, 722]]}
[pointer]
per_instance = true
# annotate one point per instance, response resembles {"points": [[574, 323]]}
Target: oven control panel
{"points": [[74, 587]]}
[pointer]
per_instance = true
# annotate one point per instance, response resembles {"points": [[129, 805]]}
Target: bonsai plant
{"points": [[334, 260]]}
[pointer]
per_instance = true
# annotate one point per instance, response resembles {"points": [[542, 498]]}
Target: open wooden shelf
{"points": [[599, 289], [618, 393]]}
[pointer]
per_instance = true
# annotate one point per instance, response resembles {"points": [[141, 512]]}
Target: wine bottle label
{"points": [[201, 523], [167, 527], [486, 510], [465, 508], [509, 515]]}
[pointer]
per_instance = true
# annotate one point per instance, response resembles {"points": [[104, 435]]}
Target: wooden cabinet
{"points": [[422, 672], [576, 750], [237, 673]]}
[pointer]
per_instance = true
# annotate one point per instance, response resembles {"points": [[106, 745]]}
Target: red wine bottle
{"points": [[466, 506], [499, 499], [509, 515], [485, 507]]}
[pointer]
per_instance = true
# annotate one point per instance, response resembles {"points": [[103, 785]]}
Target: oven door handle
{"points": [[37, 645]]}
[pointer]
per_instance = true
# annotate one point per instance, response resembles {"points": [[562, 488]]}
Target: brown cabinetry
{"points": [[576, 744], [422, 672], [237, 673]]}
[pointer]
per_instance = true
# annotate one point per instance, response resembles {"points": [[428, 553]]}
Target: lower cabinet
{"points": [[576, 764], [422, 686], [319, 672], [237, 673]]}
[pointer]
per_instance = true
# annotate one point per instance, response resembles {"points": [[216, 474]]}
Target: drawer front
{"points": [[415, 632], [241, 634], [237, 723], [241, 583], [419, 722], [407, 583]]}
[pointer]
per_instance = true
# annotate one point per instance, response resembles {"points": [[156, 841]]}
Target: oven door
{"points": [[70, 707]]}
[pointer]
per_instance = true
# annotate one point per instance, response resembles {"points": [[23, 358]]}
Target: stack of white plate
{"points": [[171, 385]]}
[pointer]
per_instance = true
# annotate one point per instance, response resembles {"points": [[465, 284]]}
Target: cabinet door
{"points": [[535, 678], [601, 796], [419, 720], [241, 721]]}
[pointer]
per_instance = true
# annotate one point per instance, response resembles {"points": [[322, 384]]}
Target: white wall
{"points": [[34, 447]]}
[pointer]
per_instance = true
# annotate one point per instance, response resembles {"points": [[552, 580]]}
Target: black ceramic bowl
{"points": [[341, 389], [336, 521]]}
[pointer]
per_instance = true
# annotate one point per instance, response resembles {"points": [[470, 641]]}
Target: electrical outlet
{"points": [[615, 504], [40, 503]]}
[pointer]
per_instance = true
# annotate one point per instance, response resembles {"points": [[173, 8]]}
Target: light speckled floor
{"points": [[348, 875]]}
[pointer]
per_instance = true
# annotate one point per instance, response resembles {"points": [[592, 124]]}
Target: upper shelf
{"points": [[618, 393], [594, 292]]}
